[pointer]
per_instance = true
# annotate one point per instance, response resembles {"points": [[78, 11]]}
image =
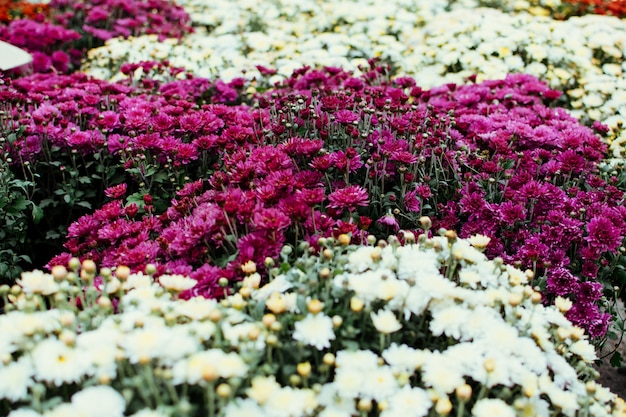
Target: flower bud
{"points": [[515, 299], [89, 266], [276, 303], [268, 320], [344, 239], [74, 264], [315, 306], [365, 405], [224, 390], [304, 369], [464, 392], [328, 359], [248, 267], [325, 273], [122, 272], [443, 406], [356, 304], [489, 365], [59, 272]]}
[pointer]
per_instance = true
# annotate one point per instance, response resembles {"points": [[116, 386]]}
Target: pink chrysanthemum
{"points": [[348, 198]]}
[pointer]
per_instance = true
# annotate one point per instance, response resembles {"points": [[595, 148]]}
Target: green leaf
{"points": [[37, 213], [18, 205], [616, 360], [52, 234], [85, 204], [84, 180]]}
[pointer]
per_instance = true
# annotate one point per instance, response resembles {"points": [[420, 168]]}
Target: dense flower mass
{"points": [[59, 32], [327, 153], [213, 243], [581, 56], [329, 334]]}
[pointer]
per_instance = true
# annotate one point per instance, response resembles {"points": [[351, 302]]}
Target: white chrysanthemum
{"points": [[239, 334], [56, 363], [15, 378], [449, 319], [288, 401], [145, 344], [197, 308], [585, 350], [385, 321], [359, 359], [403, 358], [262, 388], [99, 401], [24, 412], [315, 330], [37, 282], [100, 346], [334, 399], [244, 408], [335, 412], [408, 402], [349, 382], [361, 259], [279, 285], [138, 280], [210, 364], [490, 407], [379, 384], [146, 412], [441, 374], [177, 283]]}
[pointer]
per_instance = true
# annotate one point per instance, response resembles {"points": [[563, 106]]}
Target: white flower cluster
{"points": [[582, 56], [53, 348], [502, 337], [442, 328], [235, 36]]}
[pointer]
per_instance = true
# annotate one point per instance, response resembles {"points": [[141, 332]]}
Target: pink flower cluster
{"points": [[326, 153], [59, 39]]}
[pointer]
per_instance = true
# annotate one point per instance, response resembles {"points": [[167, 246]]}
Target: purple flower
{"points": [[603, 235], [561, 282], [348, 198]]}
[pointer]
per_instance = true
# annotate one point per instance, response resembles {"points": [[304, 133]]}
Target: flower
{"points": [[315, 330], [99, 401], [54, 362], [15, 379], [348, 198], [38, 282], [408, 401], [492, 407], [385, 321]]}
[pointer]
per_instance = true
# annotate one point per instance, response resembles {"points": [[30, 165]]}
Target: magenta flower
{"points": [[349, 198], [116, 191], [603, 235]]}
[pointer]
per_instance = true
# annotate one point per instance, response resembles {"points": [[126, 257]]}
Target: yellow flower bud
{"points": [[356, 304], [276, 303], [315, 306], [304, 369]]}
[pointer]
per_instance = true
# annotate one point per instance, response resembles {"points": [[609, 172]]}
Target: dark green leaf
{"points": [[37, 213]]}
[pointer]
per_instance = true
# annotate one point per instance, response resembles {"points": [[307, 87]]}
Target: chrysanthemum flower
{"points": [[315, 330], [349, 198]]}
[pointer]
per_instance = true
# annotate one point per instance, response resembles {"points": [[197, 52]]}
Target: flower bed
{"points": [[432, 328], [581, 56], [327, 153]]}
